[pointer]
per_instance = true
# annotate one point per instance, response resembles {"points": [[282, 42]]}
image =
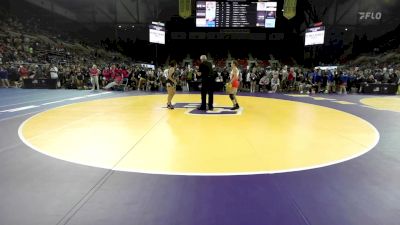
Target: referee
{"points": [[207, 84]]}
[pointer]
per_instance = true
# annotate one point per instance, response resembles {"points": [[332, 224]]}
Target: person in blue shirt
{"points": [[4, 77], [343, 83], [317, 80], [330, 86], [351, 81]]}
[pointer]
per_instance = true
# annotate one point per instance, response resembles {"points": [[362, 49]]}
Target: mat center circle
{"points": [[139, 134]]}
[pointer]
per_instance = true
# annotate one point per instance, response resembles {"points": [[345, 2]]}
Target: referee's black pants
{"points": [[207, 88]]}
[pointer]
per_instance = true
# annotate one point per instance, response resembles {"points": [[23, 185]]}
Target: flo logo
{"points": [[370, 15], [218, 110]]}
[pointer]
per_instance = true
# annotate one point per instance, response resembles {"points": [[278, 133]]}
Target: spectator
{"points": [[94, 77], [23, 72], [264, 82], [54, 74], [300, 80], [117, 80], [275, 82], [343, 83], [4, 77], [291, 78], [253, 80], [317, 80], [219, 78], [142, 79], [398, 81], [360, 80], [79, 78], [371, 80], [39, 72], [106, 76], [330, 84]]}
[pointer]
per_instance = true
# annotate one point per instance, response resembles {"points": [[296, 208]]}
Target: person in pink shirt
{"points": [[113, 71], [94, 77], [106, 75], [23, 72], [291, 78], [118, 72], [117, 78], [124, 73]]}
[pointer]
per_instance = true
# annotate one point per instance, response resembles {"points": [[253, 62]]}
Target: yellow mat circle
{"points": [[383, 103], [138, 134]]}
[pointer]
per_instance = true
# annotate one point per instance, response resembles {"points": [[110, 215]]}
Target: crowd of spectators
{"points": [[341, 79], [256, 79], [26, 51]]}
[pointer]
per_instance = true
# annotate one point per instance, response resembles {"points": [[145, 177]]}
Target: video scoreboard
{"points": [[232, 14]]}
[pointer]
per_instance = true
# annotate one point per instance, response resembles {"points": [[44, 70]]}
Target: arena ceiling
{"points": [[343, 12], [112, 11], [336, 14]]}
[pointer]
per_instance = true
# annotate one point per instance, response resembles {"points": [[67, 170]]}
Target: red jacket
{"points": [[106, 73], [94, 72], [291, 76], [124, 73]]}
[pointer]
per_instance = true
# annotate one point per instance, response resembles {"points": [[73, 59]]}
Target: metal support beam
{"points": [[344, 13], [103, 12], [55, 8], [149, 9], [136, 19]]}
